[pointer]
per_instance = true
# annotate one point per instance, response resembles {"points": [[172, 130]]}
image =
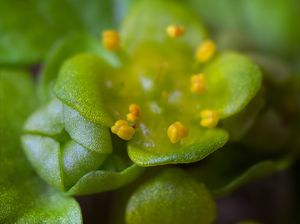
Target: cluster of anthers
{"points": [[125, 129]]}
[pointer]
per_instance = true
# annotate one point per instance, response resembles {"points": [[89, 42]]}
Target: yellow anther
{"points": [[209, 118], [134, 109], [174, 31], [131, 117], [197, 83], [205, 51], [123, 130], [134, 112], [111, 40], [177, 131]]}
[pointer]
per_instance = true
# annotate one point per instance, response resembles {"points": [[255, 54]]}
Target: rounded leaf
{"points": [[172, 197], [79, 85]]}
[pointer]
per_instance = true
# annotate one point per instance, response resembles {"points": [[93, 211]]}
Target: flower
{"points": [[114, 111]]}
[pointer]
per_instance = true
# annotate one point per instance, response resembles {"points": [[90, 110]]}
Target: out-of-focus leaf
{"points": [[231, 168], [269, 132], [238, 125], [28, 28], [23, 197], [251, 19], [147, 22], [253, 173], [275, 71], [227, 12], [171, 197], [279, 18]]}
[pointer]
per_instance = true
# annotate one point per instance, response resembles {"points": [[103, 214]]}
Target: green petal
{"points": [[148, 20], [232, 81], [156, 149], [26, 40], [23, 197], [80, 84], [171, 197]]}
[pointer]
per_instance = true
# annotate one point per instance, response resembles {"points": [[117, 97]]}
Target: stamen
{"points": [[175, 31], [176, 132], [209, 118], [205, 51], [111, 40], [123, 130], [198, 83], [134, 112]]}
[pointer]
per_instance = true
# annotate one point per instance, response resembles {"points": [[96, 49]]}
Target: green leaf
{"points": [[71, 153], [148, 20], [255, 172], [29, 28], [280, 18], [171, 197], [269, 133], [47, 121], [102, 180], [23, 197], [44, 155], [80, 84], [232, 167], [239, 124], [227, 11], [61, 51], [94, 137]]}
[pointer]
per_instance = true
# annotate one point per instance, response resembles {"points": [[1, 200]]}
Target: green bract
{"points": [[171, 197], [68, 140], [74, 154], [24, 198]]}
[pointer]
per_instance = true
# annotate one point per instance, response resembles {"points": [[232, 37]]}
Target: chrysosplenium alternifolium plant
{"points": [[155, 93]]}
